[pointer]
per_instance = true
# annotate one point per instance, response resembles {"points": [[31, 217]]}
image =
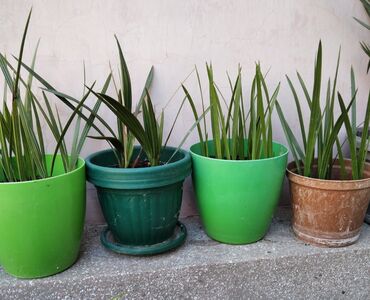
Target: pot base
{"points": [[325, 242], [173, 242]]}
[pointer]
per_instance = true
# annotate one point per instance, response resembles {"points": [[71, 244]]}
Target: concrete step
{"points": [[277, 267]]}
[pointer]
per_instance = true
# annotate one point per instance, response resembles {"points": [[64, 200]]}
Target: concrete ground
{"points": [[277, 267]]}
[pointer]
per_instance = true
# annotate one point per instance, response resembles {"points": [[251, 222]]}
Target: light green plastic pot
{"points": [[237, 198], [41, 222]]}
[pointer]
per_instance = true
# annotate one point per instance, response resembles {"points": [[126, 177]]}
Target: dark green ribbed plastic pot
{"points": [[141, 205]]}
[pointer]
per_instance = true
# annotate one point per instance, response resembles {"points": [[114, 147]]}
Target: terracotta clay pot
{"points": [[328, 213]]}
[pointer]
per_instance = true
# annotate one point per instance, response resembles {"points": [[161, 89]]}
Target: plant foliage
{"points": [[316, 157], [236, 133], [365, 46], [22, 146], [148, 130]]}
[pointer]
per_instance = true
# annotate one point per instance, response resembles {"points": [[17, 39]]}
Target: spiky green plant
{"points": [[22, 150], [129, 128], [148, 131], [124, 140], [365, 46], [150, 134], [320, 140], [129, 124], [232, 137]]}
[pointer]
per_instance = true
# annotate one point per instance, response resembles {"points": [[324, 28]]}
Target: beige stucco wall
{"points": [[174, 35]]}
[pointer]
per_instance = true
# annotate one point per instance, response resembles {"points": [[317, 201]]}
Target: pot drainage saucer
{"points": [[173, 242]]}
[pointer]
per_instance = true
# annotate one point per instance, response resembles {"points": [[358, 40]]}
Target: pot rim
{"points": [[327, 183], [175, 164], [245, 161], [77, 169], [138, 178]]}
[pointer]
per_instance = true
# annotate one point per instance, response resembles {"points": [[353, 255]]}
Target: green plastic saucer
{"points": [[173, 242]]}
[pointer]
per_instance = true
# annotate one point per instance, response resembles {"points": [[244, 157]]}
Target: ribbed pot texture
{"points": [[237, 198], [328, 213], [141, 205], [41, 222]]}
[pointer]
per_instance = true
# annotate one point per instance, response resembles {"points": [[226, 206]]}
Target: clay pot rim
{"points": [[327, 184]]}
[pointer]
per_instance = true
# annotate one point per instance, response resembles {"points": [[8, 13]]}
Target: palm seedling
{"points": [[234, 138], [316, 157]]}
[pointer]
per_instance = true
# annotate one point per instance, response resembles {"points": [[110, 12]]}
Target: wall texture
{"points": [[174, 35]]}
